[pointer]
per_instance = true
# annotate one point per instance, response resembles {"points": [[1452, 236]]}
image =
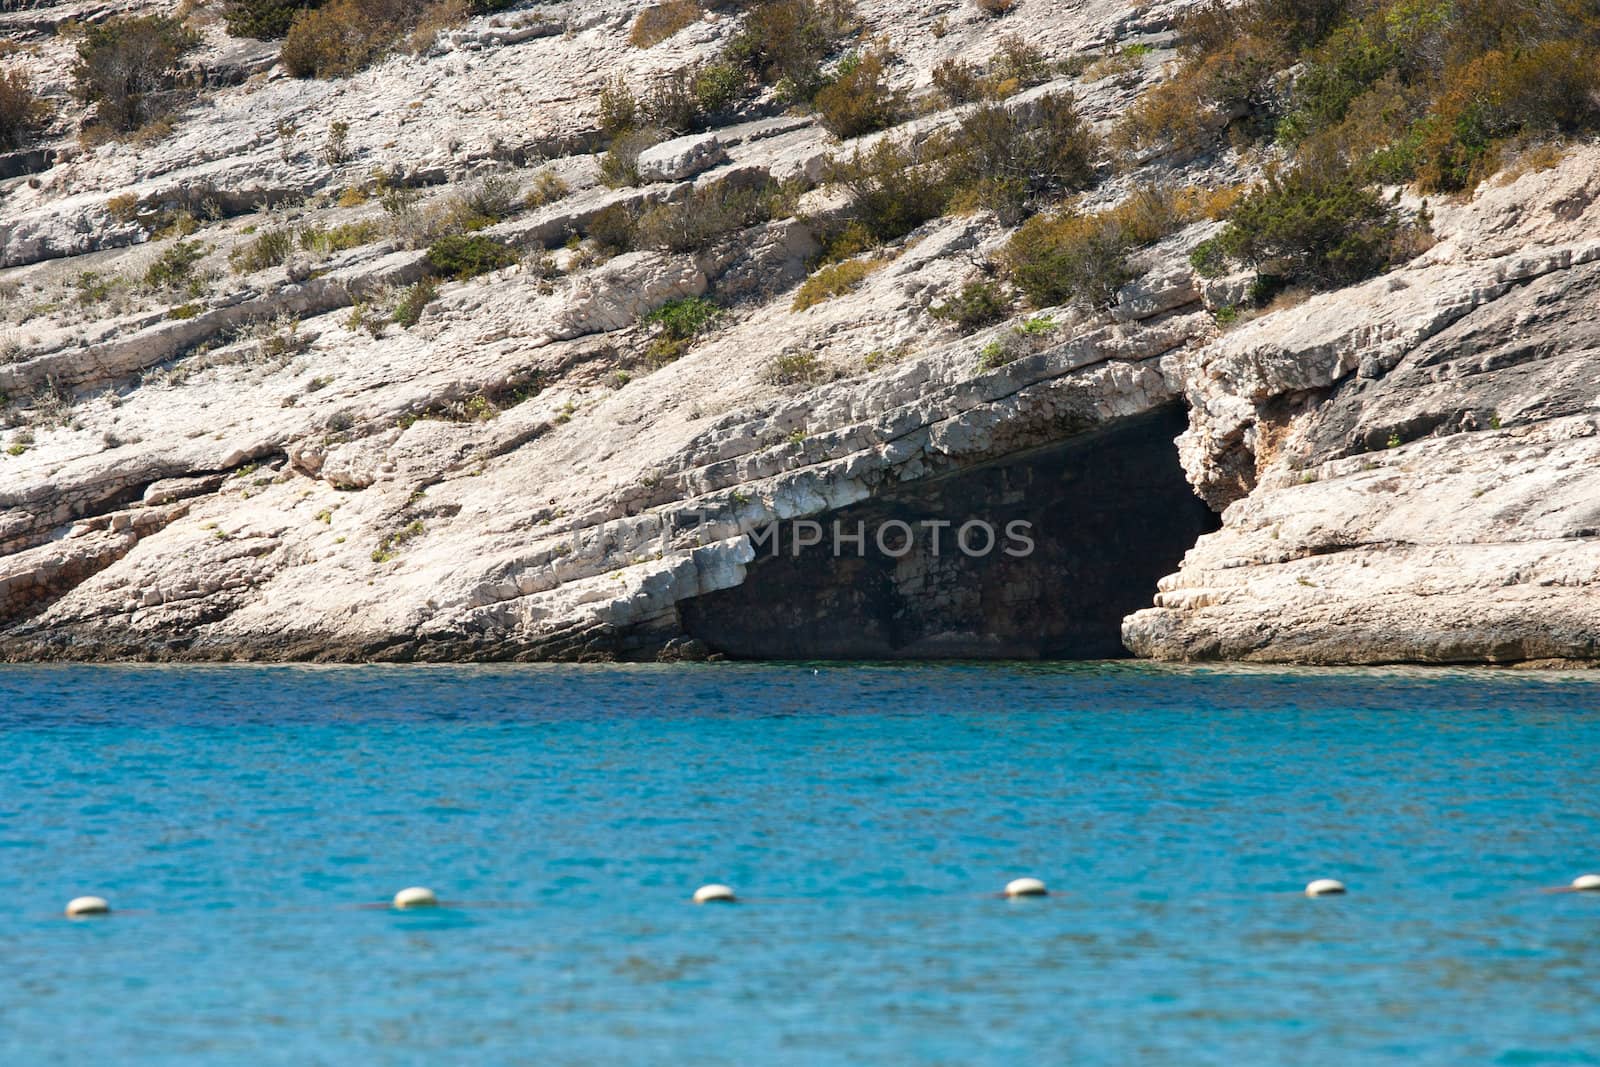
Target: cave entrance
{"points": [[1107, 513]]}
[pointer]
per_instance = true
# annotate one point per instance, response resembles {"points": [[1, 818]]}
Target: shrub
{"points": [[1315, 225], [339, 38], [996, 8], [547, 188], [858, 100], [21, 111], [1394, 89], [660, 21], [893, 188], [490, 199], [620, 164], [794, 368], [677, 323], [671, 104], [1067, 257], [1016, 60], [1009, 158], [336, 149], [408, 309], [834, 280], [264, 20], [127, 68], [463, 256], [619, 108], [957, 82], [613, 229], [268, 249], [1552, 86], [787, 40], [717, 87], [338, 238], [707, 213], [174, 268], [977, 305]]}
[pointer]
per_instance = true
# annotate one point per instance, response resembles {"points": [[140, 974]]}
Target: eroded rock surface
{"points": [[256, 463]]}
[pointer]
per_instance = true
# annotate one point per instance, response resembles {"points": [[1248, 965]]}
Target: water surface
{"points": [[235, 816]]}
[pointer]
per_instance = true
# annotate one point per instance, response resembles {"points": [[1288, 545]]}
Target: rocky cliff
{"points": [[256, 463]]}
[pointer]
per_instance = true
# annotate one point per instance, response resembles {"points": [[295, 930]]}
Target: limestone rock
{"points": [[680, 158]]}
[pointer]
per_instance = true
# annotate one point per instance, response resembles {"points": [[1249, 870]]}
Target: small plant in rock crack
{"points": [[676, 324], [336, 148], [408, 311], [397, 540], [795, 368]]}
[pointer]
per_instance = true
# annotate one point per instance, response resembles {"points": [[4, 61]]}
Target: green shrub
{"points": [[684, 318], [707, 213], [1316, 225], [264, 20], [462, 256], [547, 188], [893, 188], [408, 310], [717, 87], [786, 41], [858, 99], [834, 280], [127, 68], [677, 323], [620, 165], [21, 110], [269, 249], [795, 368], [174, 268], [1066, 258], [977, 305], [1010, 158], [327, 241]]}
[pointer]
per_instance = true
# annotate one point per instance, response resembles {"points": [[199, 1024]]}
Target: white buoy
{"points": [[1026, 887], [1587, 883], [415, 897], [1325, 887], [714, 894], [88, 906]]}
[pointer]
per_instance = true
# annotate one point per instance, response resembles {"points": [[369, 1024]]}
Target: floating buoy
{"points": [[1026, 887], [88, 906], [415, 897], [714, 894], [1325, 887], [1587, 883]]}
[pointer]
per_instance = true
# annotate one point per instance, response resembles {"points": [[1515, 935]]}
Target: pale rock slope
{"points": [[1405, 470]]}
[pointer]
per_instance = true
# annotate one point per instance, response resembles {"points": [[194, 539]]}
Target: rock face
{"points": [[256, 461], [1409, 469], [680, 158]]}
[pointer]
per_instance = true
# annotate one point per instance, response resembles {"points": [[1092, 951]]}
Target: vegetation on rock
{"points": [[127, 68], [22, 112]]}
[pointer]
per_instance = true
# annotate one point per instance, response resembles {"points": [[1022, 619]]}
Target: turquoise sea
{"points": [[238, 817]]}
